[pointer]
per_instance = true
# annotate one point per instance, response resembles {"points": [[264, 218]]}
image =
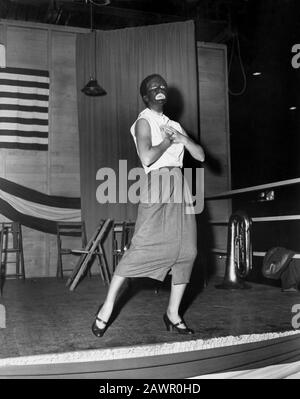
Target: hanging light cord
{"points": [[242, 91], [93, 31], [92, 88], [95, 52], [91, 14]]}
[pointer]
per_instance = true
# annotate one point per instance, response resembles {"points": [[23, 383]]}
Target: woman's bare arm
{"points": [[148, 153]]}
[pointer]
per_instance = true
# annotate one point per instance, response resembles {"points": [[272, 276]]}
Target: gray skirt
{"points": [[165, 236]]}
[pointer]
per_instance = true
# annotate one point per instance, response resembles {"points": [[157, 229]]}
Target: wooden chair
{"points": [[93, 248], [68, 229], [11, 243]]}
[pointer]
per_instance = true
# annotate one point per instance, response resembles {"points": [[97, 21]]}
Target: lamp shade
{"points": [[92, 88]]}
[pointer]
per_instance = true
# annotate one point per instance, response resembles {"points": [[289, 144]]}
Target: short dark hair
{"points": [[143, 86]]}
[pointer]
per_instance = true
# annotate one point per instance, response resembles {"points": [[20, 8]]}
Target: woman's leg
{"points": [[177, 291], [108, 305]]}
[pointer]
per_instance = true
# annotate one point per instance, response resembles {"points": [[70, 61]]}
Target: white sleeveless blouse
{"points": [[173, 156]]}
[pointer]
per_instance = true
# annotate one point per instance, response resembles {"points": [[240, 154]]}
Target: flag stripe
{"points": [[27, 78], [23, 102], [26, 96], [23, 121], [24, 146], [23, 90], [23, 83], [23, 139], [24, 108], [26, 71], [27, 128], [16, 114], [23, 133], [19, 126]]}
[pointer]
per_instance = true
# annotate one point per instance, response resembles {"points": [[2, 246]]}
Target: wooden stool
{"points": [[11, 242]]}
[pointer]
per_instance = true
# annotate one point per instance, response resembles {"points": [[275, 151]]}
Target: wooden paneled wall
{"points": [[214, 131], [55, 172]]}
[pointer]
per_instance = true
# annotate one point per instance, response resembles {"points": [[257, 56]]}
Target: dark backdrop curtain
{"points": [[124, 57]]}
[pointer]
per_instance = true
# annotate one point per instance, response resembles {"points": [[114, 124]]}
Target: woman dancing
{"points": [[164, 239]]}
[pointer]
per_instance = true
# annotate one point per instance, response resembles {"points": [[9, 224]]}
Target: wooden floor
{"points": [[43, 316]]}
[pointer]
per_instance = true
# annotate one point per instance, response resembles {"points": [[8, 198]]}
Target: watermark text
{"points": [[165, 185]]}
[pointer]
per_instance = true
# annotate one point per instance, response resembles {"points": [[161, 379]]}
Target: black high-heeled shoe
{"points": [[171, 327], [98, 332]]}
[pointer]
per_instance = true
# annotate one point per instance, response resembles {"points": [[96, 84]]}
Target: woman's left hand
{"points": [[175, 136]]}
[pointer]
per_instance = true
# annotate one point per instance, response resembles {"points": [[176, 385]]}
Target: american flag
{"points": [[24, 100]]}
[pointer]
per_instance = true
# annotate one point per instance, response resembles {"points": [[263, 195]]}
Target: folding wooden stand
{"points": [[63, 230], [94, 247]]}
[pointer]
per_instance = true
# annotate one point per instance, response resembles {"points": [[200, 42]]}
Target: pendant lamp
{"points": [[92, 88]]}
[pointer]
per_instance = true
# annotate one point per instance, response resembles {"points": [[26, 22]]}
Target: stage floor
{"points": [[43, 316]]}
